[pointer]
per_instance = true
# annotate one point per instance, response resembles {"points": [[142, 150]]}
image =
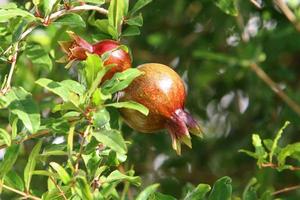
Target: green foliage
{"points": [[59, 125]]}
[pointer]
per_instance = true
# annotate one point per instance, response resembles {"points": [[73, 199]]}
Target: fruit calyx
{"points": [[179, 125]]}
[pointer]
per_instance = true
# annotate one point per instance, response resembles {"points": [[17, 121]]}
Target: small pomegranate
{"points": [[78, 47], [162, 91]]}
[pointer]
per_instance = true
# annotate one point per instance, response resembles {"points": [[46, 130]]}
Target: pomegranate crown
{"points": [[179, 126], [75, 49]]}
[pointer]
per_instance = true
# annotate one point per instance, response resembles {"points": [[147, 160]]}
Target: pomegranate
{"points": [[162, 91], [78, 47]]}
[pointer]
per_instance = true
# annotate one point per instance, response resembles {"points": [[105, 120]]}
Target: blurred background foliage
{"points": [[210, 50]]}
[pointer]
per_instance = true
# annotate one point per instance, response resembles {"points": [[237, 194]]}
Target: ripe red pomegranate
{"points": [[78, 47], [162, 91]]}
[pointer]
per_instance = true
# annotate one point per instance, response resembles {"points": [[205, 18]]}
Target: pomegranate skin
{"points": [[162, 91], [78, 48], [118, 57]]}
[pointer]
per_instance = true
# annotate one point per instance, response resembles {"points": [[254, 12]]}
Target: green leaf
{"points": [[198, 193], [160, 196], [13, 180], [113, 139], [39, 57], [98, 2], [71, 20], [287, 151], [139, 5], [20, 103], [131, 105], [227, 6], [62, 173], [6, 14], [275, 143], [74, 86], [135, 21], [250, 190], [54, 87], [71, 140], [9, 160], [55, 194], [120, 81], [49, 5], [259, 149], [4, 135], [117, 176], [64, 89], [101, 118], [19, 30], [147, 192], [131, 31], [104, 26], [36, 2], [222, 189], [30, 166], [83, 188], [92, 162], [92, 66], [116, 12]]}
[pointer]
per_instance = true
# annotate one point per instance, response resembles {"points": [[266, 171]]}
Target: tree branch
{"points": [[278, 91], [21, 193], [287, 189], [288, 13], [36, 135]]}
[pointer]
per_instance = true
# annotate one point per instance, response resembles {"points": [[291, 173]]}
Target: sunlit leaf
{"points": [[113, 139], [227, 6], [221, 190], [20, 103], [147, 192]]}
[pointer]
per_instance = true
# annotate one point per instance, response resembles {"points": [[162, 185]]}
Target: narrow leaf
{"points": [[131, 105], [30, 166], [62, 173], [9, 160]]}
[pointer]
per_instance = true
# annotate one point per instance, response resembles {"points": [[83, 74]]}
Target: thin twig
{"points": [[288, 13], [32, 136], [262, 75], [59, 188], [85, 134], [287, 189], [60, 13], [256, 3], [275, 166], [21, 193]]}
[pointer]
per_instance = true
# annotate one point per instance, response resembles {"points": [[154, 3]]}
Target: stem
{"points": [[7, 85], [256, 3], [287, 189], [57, 186], [288, 13], [38, 134], [21, 193], [85, 134], [275, 166], [262, 75], [60, 13]]}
